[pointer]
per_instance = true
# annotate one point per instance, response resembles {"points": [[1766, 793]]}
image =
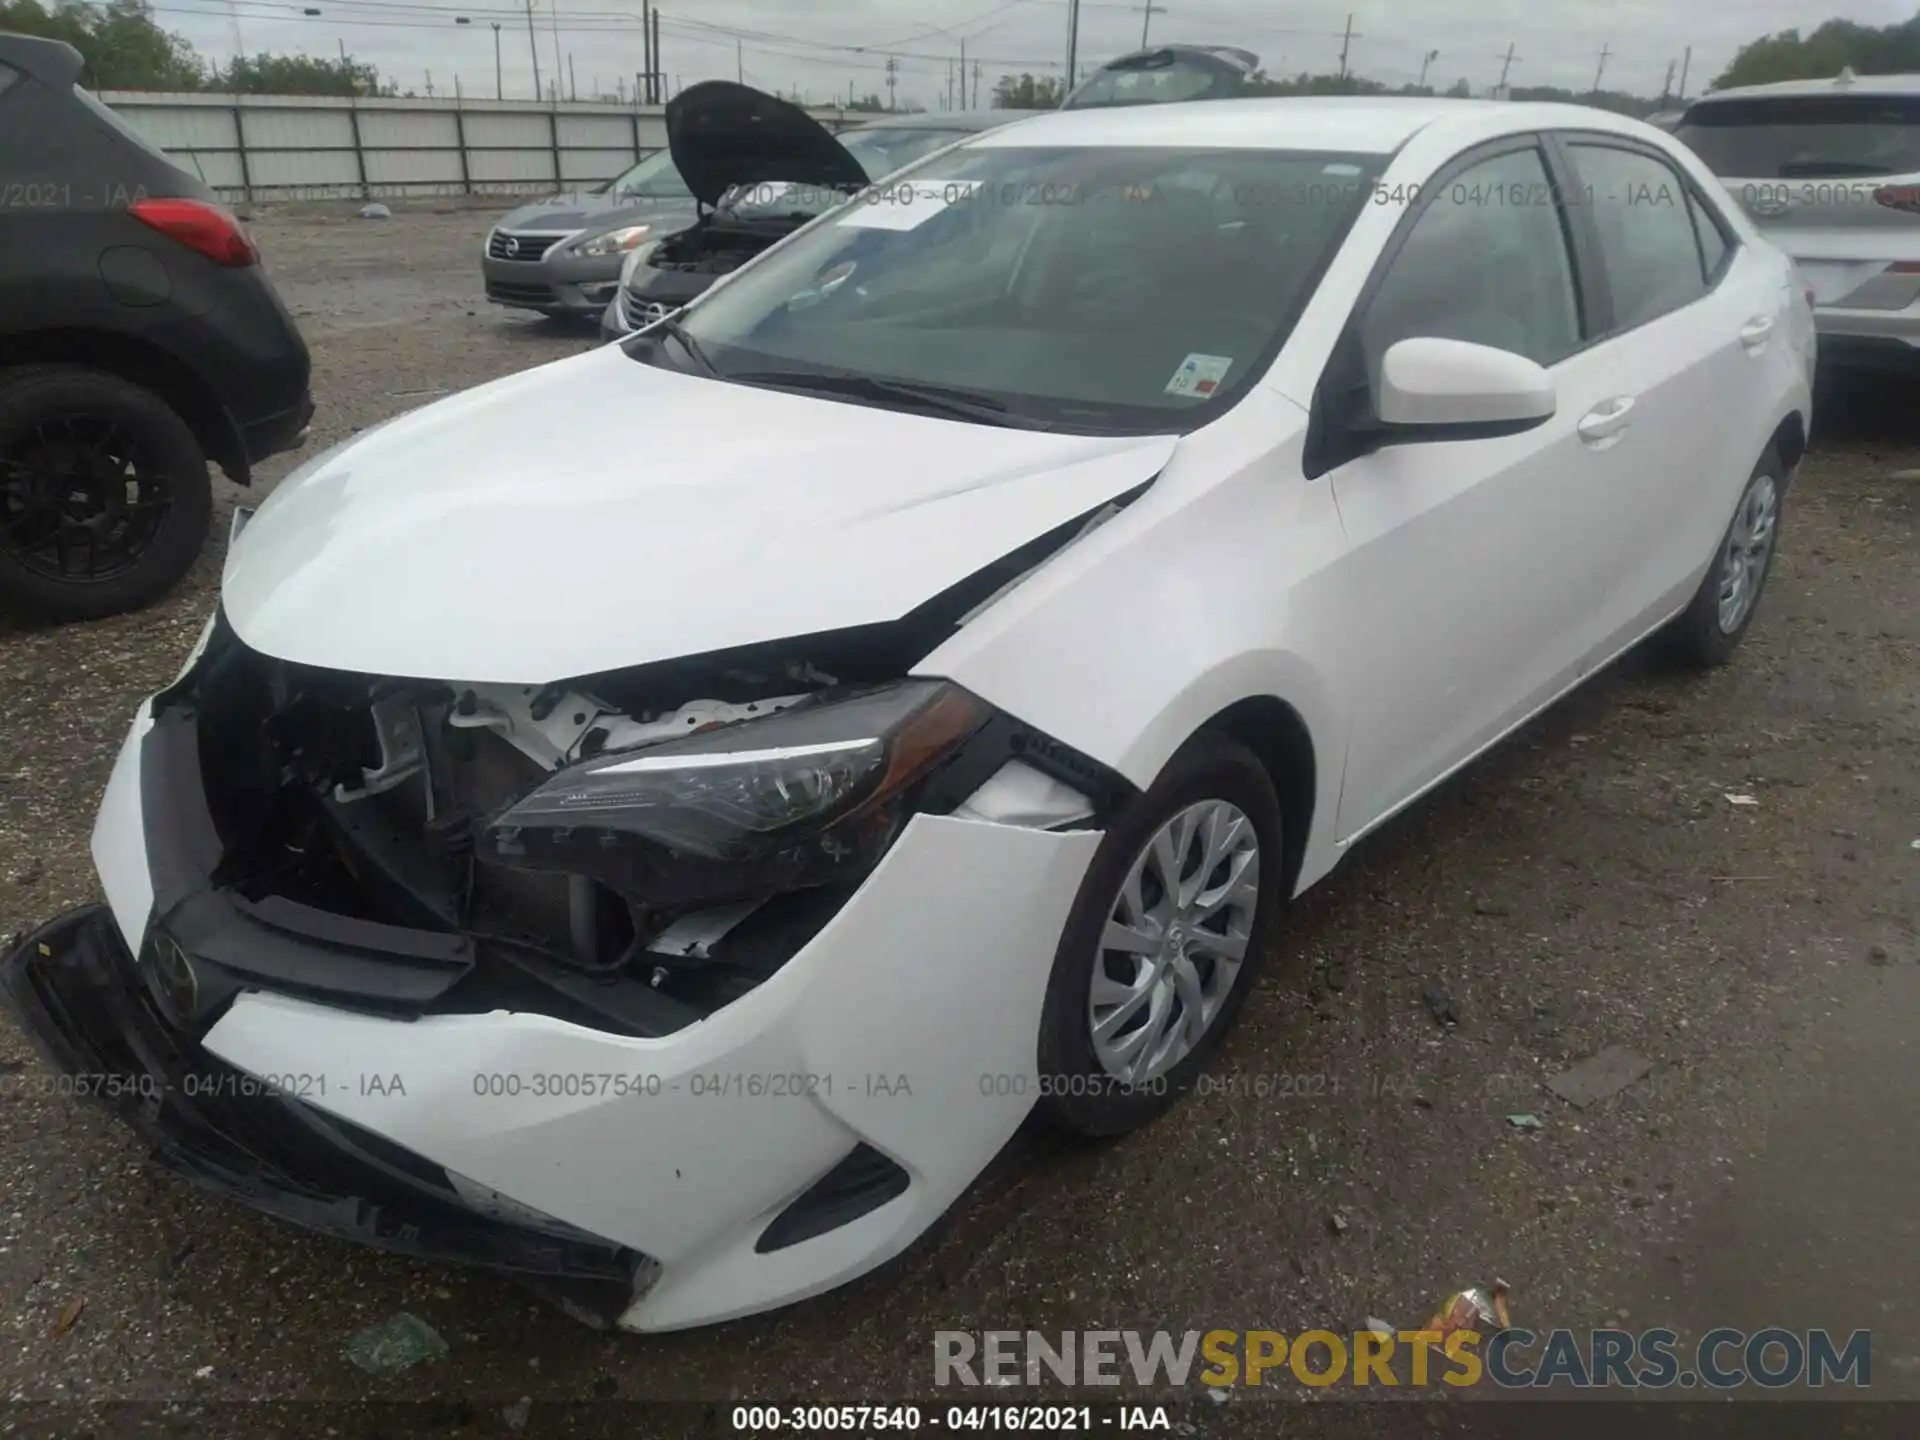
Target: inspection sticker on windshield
{"points": [[1199, 375], [907, 205]]}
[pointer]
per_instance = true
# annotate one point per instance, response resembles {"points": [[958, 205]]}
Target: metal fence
{"points": [[298, 147]]}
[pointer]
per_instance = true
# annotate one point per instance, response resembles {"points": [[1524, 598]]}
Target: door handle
{"points": [[1754, 333], [1606, 421]]}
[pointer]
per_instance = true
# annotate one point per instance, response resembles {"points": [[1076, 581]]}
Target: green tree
{"points": [[1869, 49], [1025, 92], [299, 75], [122, 46]]}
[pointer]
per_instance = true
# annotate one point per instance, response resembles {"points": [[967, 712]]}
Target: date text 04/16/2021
{"points": [[958, 1419]]}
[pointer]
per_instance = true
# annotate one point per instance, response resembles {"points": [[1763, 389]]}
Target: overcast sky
{"points": [[820, 46]]}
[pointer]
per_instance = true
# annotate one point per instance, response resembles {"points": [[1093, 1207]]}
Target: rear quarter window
{"points": [[1803, 137]]}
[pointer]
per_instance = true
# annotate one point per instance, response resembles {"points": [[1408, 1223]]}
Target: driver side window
{"points": [[1487, 261]]}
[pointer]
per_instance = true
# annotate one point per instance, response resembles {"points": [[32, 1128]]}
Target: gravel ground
{"points": [[1587, 884]]}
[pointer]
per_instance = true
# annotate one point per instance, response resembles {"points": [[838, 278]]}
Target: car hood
{"points": [[584, 210], [722, 135], [525, 532]]}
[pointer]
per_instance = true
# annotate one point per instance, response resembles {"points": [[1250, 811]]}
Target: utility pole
{"points": [[739, 62], [1426, 60], [1601, 69], [976, 84], [1346, 41], [554, 16], [1505, 66], [1148, 11], [893, 65], [499, 93], [573, 85], [1686, 60], [533, 48], [1073, 41], [657, 81], [646, 44], [946, 95], [1666, 86], [429, 84]]}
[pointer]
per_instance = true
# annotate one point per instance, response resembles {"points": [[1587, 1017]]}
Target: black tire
{"points": [[1696, 637], [1077, 1093], [152, 522]]}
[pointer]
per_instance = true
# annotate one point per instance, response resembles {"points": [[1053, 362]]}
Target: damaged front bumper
{"points": [[88, 1008], [770, 1150]]}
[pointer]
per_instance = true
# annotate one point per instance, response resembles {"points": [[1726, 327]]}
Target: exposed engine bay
{"points": [[369, 798], [690, 870], [717, 244]]}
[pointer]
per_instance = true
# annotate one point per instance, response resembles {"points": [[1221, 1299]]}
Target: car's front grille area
{"points": [[520, 245], [514, 293], [641, 313]]}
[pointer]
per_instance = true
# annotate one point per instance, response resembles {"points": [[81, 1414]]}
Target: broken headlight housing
{"points": [[808, 796]]}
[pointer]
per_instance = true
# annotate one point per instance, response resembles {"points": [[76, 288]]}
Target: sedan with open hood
{"points": [[670, 874]]}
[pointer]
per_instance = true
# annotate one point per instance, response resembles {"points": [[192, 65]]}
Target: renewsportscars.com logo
{"points": [[1515, 1358]]}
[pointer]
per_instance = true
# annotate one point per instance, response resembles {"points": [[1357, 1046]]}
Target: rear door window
{"points": [[1713, 239], [1806, 137], [1643, 213]]}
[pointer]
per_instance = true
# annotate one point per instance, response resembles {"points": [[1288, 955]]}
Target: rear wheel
{"points": [[1710, 629], [104, 494], [1162, 942]]}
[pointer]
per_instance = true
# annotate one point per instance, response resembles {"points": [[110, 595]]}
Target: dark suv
{"points": [[138, 339]]}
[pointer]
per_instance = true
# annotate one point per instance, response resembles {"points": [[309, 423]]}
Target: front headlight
{"points": [[611, 242], [804, 797], [636, 257]]}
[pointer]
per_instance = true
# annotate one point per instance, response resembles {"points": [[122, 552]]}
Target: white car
{"points": [[1830, 172], [673, 871]]}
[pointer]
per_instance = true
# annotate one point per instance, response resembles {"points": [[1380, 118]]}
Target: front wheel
{"points": [[104, 494], [1710, 629], [1160, 947]]}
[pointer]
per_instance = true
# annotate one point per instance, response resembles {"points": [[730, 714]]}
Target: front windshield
{"points": [[654, 178], [1159, 80], [1105, 289], [880, 149], [883, 149]]}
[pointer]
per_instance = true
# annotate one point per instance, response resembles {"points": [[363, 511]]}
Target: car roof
{"points": [[1353, 124], [973, 120], [1845, 83]]}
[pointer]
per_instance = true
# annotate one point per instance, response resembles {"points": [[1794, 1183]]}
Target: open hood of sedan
{"points": [[722, 135], [599, 513]]}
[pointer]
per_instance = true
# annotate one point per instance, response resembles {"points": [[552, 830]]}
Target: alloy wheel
{"points": [[81, 497], [1749, 548], [1175, 940]]}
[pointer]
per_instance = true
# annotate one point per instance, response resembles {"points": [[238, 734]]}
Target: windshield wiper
{"points": [[687, 343], [938, 399]]}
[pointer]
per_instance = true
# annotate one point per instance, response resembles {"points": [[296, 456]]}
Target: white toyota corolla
{"points": [[660, 822]]}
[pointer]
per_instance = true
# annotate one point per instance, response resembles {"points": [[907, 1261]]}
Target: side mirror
{"points": [[1432, 389]]}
